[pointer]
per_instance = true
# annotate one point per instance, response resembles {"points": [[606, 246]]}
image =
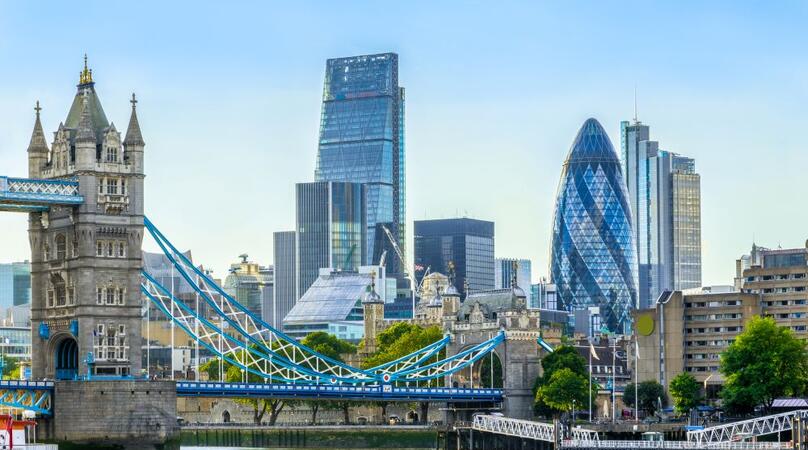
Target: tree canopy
{"points": [[554, 394], [399, 340], [650, 393], [564, 389], [685, 392], [766, 361]]}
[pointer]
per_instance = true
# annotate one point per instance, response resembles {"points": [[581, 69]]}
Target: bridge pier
{"points": [[133, 414]]}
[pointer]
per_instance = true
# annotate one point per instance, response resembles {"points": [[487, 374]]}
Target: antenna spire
{"points": [[636, 120]]}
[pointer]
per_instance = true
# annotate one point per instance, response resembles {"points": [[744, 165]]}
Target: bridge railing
{"points": [[758, 426], [515, 427], [677, 445]]}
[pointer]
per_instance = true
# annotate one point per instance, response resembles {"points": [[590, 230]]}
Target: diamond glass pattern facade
{"points": [[362, 141], [593, 261]]}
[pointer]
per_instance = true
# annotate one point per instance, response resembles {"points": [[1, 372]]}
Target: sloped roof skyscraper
{"points": [[593, 260]]}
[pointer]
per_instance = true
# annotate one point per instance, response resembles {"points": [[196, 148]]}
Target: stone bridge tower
{"points": [[479, 318], [86, 260]]}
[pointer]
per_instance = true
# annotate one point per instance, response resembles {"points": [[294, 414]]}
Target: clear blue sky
{"points": [[230, 102]]}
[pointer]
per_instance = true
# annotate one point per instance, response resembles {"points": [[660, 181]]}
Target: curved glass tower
{"points": [[593, 261]]}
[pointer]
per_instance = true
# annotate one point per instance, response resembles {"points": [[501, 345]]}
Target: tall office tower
{"points": [[503, 275], [665, 197], [15, 284], [466, 243], [592, 262], [331, 229], [362, 141], [285, 286]]}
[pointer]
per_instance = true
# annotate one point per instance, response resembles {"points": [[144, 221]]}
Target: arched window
{"points": [[61, 247], [121, 249]]}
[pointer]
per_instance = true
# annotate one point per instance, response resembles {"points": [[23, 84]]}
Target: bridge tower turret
{"points": [[86, 260], [38, 148]]}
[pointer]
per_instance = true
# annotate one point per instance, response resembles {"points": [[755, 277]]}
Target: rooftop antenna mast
{"points": [[635, 104]]}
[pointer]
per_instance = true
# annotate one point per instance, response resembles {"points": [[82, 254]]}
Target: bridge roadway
{"points": [[341, 392]]}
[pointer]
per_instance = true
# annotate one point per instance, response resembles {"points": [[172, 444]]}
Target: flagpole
{"points": [[590, 380], [614, 349], [636, 380]]}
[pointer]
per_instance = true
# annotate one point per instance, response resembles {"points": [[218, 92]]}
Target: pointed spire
{"points": [[86, 75], [38, 142], [85, 132], [133, 136]]}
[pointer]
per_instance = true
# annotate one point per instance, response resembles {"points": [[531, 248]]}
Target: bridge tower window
{"points": [[112, 154], [61, 247]]}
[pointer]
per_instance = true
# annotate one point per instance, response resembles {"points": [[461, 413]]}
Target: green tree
{"points": [[564, 389], [331, 346], [685, 392], [564, 357], [766, 361], [399, 340], [650, 393], [11, 369]]}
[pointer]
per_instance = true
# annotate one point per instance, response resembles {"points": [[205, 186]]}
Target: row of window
{"points": [[61, 295], [778, 290], [784, 302], [110, 249], [713, 330], [61, 249], [712, 304], [782, 276], [110, 295], [702, 369], [703, 356], [112, 186], [109, 342], [793, 315], [712, 343], [715, 316]]}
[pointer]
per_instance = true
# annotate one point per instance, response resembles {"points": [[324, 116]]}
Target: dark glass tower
{"points": [[362, 141], [466, 243], [330, 229], [593, 262]]}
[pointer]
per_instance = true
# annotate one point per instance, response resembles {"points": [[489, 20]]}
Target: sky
{"points": [[229, 103]]}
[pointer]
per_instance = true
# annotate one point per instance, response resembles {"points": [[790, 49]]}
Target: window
{"points": [[101, 186], [110, 250], [121, 250], [110, 300], [123, 187], [51, 298], [46, 252], [121, 296], [74, 251], [112, 186], [112, 154], [61, 247], [99, 296], [61, 299]]}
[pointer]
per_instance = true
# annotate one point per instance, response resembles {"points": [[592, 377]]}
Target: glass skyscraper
{"points": [[362, 141], [15, 284], [331, 229], [466, 243], [285, 286], [592, 261], [665, 198]]}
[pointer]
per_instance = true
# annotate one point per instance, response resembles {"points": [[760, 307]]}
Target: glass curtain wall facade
{"points": [[331, 229], [362, 141], [15, 284], [593, 260], [285, 286], [664, 194], [467, 243], [503, 275]]}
